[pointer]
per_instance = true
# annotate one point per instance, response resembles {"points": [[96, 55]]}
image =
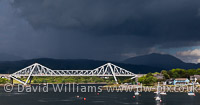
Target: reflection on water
{"points": [[103, 98], [158, 103]]}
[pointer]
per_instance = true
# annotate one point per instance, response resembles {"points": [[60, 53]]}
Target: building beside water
{"points": [[181, 81]]}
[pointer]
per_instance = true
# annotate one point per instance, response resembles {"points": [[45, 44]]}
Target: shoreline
{"points": [[167, 88], [2, 85], [117, 87]]}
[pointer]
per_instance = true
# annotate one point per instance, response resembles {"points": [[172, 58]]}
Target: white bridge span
{"points": [[105, 70]]}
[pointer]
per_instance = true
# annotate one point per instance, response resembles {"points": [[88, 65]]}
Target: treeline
{"points": [[70, 80], [4, 81], [180, 73], [76, 79], [149, 79]]}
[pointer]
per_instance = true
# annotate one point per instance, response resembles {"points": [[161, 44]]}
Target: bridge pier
{"points": [[115, 79], [30, 79], [11, 80]]}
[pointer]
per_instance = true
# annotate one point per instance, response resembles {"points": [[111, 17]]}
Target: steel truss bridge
{"points": [[37, 69]]}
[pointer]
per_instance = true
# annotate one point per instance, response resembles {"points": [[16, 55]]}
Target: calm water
{"points": [[104, 98]]}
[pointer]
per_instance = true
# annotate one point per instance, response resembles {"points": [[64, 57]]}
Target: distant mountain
{"points": [[164, 61], [140, 64], [9, 57], [67, 64]]}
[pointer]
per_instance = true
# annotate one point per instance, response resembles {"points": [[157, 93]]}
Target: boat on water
{"points": [[158, 97], [191, 93], [163, 93], [137, 93], [156, 92]]}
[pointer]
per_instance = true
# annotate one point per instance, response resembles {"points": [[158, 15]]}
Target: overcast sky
{"points": [[100, 29]]}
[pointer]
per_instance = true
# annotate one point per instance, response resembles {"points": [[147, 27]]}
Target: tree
{"points": [[147, 79], [164, 71], [166, 76], [141, 79], [149, 74], [176, 75], [3, 80]]}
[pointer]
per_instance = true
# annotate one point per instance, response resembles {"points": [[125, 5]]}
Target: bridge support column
{"points": [[30, 79], [11, 80], [115, 79], [30, 73], [113, 73]]}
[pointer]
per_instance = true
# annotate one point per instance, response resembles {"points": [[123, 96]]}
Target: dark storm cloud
{"points": [[108, 29], [166, 19]]}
